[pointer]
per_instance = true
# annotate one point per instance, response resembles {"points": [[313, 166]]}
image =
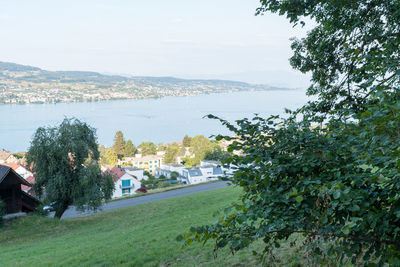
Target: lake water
{"points": [[157, 120]]}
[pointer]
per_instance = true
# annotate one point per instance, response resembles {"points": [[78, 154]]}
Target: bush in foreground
{"points": [[331, 171]]}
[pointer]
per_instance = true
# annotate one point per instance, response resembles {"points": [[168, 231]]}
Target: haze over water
{"points": [[157, 120]]}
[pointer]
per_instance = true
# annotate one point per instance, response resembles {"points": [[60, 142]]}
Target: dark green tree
{"points": [[217, 154], [331, 170], [57, 156], [186, 141], [129, 149], [148, 148], [119, 144], [174, 175]]}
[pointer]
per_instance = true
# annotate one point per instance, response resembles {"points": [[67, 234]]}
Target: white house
{"points": [[124, 183], [138, 173], [202, 174], [167, 169], [24, 173]]}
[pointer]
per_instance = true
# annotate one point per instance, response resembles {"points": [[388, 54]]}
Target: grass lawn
{"points": [[142, 235]]}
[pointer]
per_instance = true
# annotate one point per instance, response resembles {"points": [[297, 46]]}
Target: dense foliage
{"points": [[172, 153], [199, 147], [64, 160], [147, 148], [217, 154], [330, 171], [129, 149]]}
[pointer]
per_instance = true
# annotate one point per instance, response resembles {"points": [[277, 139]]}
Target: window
{"points": [[150, 161], [126, 191], [126, 183]]}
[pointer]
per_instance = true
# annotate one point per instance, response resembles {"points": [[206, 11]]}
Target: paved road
{"points": [[72, 212]]}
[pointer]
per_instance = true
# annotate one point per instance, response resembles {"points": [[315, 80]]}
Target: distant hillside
{"points": [[7, 66], [27, 84]]}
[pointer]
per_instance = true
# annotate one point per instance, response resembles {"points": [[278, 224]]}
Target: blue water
{"points": [[157, 120]]}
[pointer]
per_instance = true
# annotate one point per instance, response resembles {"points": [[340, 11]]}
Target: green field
{"points": [[143, 235]]}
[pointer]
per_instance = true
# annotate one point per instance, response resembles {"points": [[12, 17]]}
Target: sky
{"points": [[182, 38]]}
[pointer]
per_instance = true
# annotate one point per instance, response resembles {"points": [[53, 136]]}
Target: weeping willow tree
{"points": [[64, 160]]}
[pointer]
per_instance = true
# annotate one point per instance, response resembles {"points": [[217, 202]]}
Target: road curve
{"points": [[72, 212]]}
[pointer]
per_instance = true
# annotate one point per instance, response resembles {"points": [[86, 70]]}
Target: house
{"points": [[7, 157], [201, 174], [167, 169], [23, 172], [28, 189], [124, 183], [138, 173], [11, 194], [193, 176], [149, 163]]}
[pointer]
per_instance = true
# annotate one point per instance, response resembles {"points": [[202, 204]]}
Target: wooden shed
{"points": [[14, 198]]}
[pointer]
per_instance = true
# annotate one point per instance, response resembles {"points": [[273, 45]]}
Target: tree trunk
{"points": [[60, 211]]}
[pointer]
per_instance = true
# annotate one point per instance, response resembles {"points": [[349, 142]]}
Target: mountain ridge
{"points": [[23, 84]]}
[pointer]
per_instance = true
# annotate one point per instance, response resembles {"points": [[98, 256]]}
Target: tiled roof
{"points": [[4, 154], [13, 166], [116, 173], [30, 180], [4, 171]]}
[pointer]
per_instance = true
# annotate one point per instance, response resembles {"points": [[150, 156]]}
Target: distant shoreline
{"points": [[155, 97]]}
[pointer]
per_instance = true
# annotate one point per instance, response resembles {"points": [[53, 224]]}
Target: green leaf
{"points": [[299, 199]]}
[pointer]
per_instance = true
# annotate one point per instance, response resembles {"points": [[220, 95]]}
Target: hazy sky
{"points": [[153, 37]]}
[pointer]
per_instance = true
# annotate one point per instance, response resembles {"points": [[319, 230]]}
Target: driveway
{"points": [[72, 212]]}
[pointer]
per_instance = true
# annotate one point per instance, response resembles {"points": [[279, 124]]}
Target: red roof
{"points": [[116, 173], [30, 180], [13, 166]]}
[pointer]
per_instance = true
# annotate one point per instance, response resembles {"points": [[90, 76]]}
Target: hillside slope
{"points": [[143, 235], [26, 84]]}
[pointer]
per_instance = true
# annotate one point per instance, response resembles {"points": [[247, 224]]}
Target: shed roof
{"points": [[5, 170]]}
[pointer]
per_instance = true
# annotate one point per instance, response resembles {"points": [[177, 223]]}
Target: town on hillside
{"points": [[142, 168]]}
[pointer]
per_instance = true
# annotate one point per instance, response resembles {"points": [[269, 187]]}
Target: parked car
{"points": [[50, 207]]}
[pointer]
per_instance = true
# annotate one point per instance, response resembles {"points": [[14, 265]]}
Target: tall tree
{"points": [[171, 153], [111, 156], [57, 156], [102, 151], [186, 141], [199, 147], [148, 148], [338, 183], [129, 149], [119, 144]]}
